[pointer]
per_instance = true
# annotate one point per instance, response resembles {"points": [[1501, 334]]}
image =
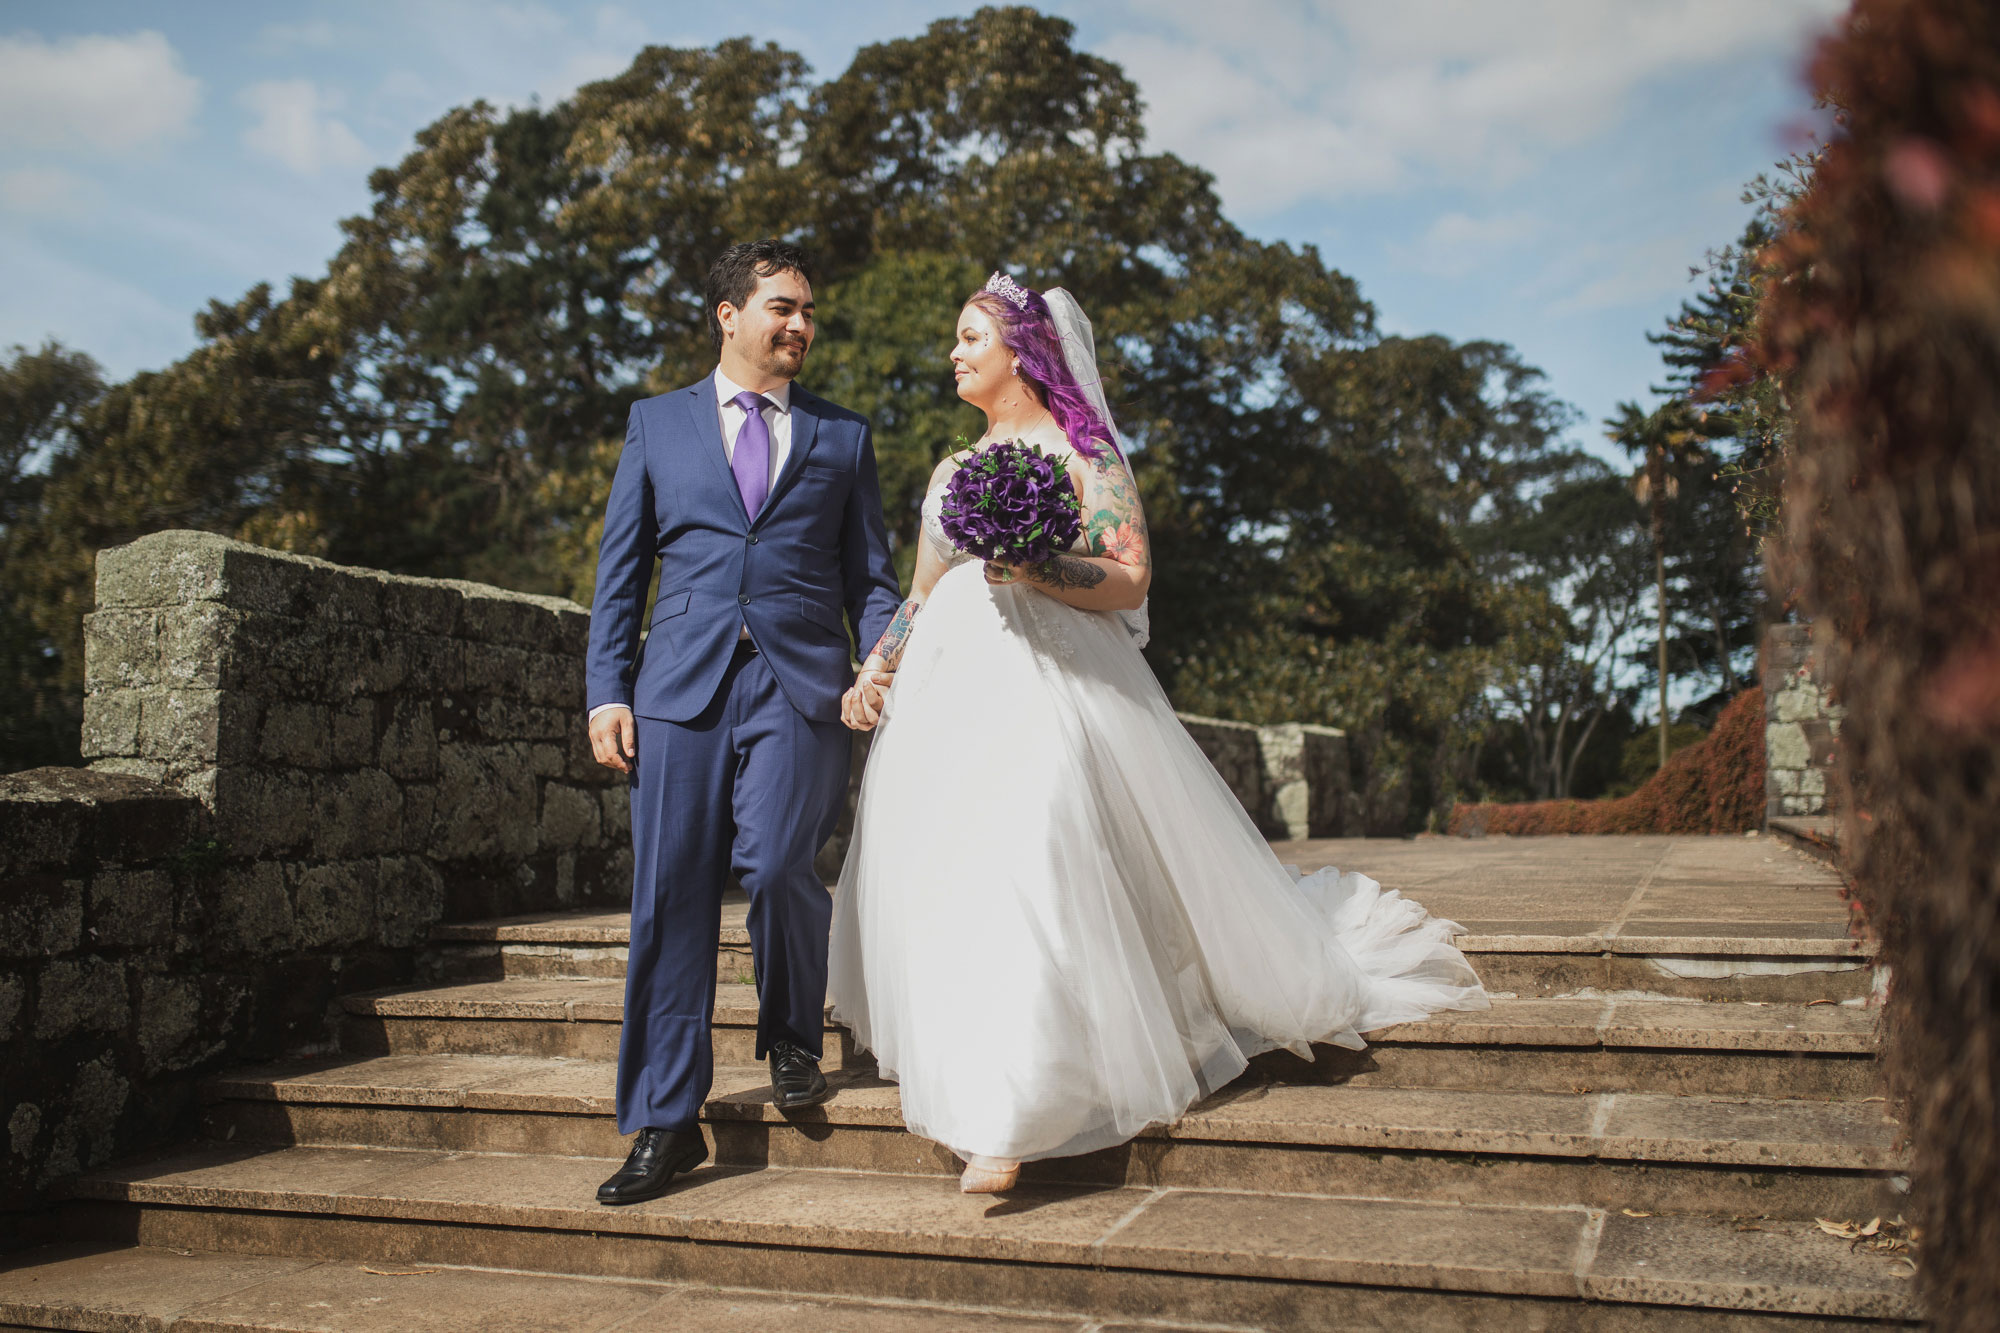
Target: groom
{"points": [[760, 503]]}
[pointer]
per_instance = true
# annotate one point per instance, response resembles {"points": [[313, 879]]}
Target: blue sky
{"points": [[1540, 172]]}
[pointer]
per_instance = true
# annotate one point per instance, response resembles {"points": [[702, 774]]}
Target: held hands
{"points": [[861, 706], [614, 739]]}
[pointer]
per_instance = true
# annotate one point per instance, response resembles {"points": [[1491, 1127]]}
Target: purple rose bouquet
{"points": [[1012, 503]]}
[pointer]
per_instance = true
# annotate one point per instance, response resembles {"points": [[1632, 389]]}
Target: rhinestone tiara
{"points": [[1002, 285]]}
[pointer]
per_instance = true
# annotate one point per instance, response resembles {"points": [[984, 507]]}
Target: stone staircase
{"points": [[1639, 1134]]}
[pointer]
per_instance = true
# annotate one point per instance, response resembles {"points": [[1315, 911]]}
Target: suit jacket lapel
{"points": [[805, 431], [708, 440]]}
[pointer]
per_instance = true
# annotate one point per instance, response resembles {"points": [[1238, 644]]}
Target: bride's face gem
{"points": [[979, 360]]}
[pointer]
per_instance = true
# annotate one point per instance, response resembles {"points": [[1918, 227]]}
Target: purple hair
{"points": [[1030, 334]]}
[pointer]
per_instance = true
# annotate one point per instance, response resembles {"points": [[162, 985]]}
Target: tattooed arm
{"points": [[1119, 568]]}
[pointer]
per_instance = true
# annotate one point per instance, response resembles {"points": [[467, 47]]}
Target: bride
{"points": [[1055, 925]]}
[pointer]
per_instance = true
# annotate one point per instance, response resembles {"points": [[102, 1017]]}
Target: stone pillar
{"points": [[1290, 777], [1801, 727]]}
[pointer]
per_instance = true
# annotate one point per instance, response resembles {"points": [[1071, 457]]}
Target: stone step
{"points": [[1565, 1045], [1696, 960], [1206, 1257], [95, 1287], [1732, 1156]]}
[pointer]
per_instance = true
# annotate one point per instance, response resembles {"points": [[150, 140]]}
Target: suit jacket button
{"points": [[744, 600], [753, 539]]}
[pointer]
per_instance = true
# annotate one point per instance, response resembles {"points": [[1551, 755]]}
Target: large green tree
{"points": [[448, 397]]}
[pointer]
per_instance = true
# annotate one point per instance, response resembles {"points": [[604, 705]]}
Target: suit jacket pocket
{"points": [[671, 604], [827, 618]]}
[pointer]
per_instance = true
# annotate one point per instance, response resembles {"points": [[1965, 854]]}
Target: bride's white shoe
{"points": [[988, 1175]]}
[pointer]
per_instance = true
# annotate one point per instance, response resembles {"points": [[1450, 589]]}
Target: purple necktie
{"points": [[752, 460]]}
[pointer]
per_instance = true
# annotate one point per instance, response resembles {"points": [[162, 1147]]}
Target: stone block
{"points": [[1785, 745], [1797, 702], [494, 616], [259, 811], [359, 813], [111, 723], [421, 606], [179, 567], [132, 909], [121, 650], [556, 681], [570, 817], [1782, 781], [435, 663], [80, 995], [409, 748], [250, 909], [485, 802], [41, 915], [419, 815], [409, 900], [170, 1018], [497, 670], [354, 734], [616, 803], [547, 761], [97, 1098], [509, 720], [296, 735], [333, 904], [197, 728], [205, 646], [1812, 782], [13, 994], [41, 827]]}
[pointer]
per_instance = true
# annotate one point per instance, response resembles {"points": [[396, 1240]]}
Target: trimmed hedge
{"points": [[1713, 786]]}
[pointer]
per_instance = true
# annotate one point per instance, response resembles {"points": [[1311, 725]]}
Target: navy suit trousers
{"points": [[750, 783]]}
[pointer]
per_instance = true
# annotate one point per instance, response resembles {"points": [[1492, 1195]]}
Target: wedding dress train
{"points": [[1055, 925]]}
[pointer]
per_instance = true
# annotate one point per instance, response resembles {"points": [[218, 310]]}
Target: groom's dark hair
{"points": [[737, 271]]}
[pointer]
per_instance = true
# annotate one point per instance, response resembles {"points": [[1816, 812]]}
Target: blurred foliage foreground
{"points": [[1382, 534]]}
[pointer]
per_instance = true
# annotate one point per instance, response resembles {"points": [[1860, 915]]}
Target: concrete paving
{"points": [[1713, 887]]}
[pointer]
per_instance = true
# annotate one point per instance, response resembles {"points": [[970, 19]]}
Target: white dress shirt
{"points": [[730, 417]]}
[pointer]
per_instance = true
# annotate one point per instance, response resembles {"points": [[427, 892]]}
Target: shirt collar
{"points": [[727, 389]]}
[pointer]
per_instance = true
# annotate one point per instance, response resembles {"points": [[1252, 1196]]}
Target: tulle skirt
{"points": [[1056, 926]]}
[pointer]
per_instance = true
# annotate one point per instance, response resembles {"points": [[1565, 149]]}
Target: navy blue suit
{"points": [[743, 759]]}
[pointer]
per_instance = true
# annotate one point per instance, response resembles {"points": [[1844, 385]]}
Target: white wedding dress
{"points": [[1055, 925]]}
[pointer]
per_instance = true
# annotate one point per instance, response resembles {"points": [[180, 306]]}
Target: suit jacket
{"points": [[818, 548]]}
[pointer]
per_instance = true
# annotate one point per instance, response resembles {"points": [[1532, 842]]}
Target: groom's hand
{"points": [[614, 739], [861, 706]]}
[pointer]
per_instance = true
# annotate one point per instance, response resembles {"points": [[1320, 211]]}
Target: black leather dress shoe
{"points": [[657, 1157], [795, 1078]]}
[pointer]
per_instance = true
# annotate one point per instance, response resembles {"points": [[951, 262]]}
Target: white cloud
{"points": [[45, 192], [110, 94], [1635, 273], [294, 126], [1457, 243], [1290, 101]]}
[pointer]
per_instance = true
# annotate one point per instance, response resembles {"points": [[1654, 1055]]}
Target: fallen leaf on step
{"points": [[1633, 1212], [1844, 1230], [379, 1272], [1811, 1003]]}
